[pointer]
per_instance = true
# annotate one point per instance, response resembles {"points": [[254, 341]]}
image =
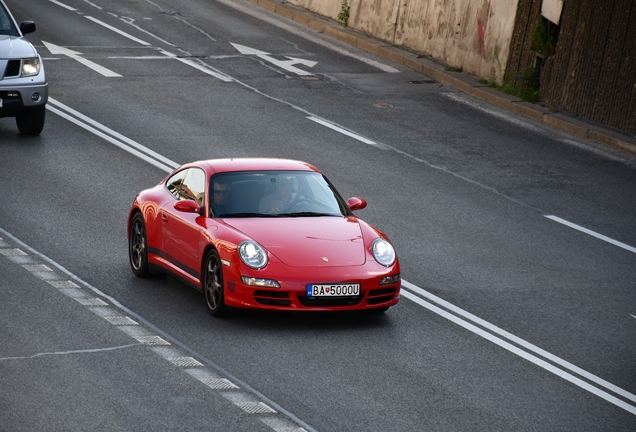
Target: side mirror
{"points": [[27, 27], [356, 203], [188, 206]]}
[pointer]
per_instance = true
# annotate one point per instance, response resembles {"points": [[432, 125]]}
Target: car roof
{"points": [[214, 166]]}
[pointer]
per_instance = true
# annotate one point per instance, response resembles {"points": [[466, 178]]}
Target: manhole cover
{"points": [[383, 105], [310, 78]]}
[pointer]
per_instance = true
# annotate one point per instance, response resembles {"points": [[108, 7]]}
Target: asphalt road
{"points": [[512, 317]]}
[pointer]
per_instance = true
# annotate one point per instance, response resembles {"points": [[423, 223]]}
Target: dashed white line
{"points": [[116, 30], [63, 5], [200, 66], [592, 233], [345, 131]]}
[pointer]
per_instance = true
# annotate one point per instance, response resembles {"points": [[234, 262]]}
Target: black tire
{"points": [[377, 311], [138, 246], [213, 286], [31, 122]]}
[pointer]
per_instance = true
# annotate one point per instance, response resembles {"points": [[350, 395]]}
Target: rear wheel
{"points": [[30, 122], [213, 287], [138, 246]]}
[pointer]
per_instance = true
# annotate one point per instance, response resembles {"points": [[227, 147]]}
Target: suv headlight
{"points": [[252, 254], [383, 252], [30, 67]]}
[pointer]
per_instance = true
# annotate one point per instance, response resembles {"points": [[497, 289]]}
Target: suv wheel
{"points": [[30, 122]]}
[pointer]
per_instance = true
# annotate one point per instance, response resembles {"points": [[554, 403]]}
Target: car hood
{"points": [[13, 47], [302, 241]]}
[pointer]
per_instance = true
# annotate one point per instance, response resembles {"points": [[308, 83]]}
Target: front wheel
{"points": [[138, 246], [30, 122], [213, 287]]}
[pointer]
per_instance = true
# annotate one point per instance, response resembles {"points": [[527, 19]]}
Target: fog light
{"points": [[387, 280], [35, 97], [268, 283]]}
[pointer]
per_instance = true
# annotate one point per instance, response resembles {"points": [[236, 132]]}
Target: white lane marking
{"points": [[523, 354], [164, 348], [58, 50], [277, 22], [518, 341], [288, 65], [115, 138], [116, 30], [633, 316], [200, 66], [77, 56], [63, 5], [345, 131], [592, 233]]}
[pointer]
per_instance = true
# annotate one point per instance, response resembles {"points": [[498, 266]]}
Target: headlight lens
{"points": [[383, 252], [252, 254], [30, 67]]}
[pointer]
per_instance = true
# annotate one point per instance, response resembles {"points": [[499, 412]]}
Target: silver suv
{"points": [[23, 86]]}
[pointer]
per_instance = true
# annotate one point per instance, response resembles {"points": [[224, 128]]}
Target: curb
{"points": [[465, 83]]}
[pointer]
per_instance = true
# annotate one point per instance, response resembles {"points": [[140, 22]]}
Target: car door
{"points": [[181, 231]]}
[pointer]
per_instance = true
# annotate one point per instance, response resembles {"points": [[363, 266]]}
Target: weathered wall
{"points": [[593, 70], [471, 34]]}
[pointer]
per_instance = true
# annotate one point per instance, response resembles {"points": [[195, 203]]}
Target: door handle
{"points": [[164, 217]]}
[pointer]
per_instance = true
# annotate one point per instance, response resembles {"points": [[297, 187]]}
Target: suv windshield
{"points": [[7, 27], [274, 194]]}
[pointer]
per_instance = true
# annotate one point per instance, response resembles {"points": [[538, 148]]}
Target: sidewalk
{"points": [[557, 120]]}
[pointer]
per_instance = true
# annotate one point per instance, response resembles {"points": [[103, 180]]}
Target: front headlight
{"points": [[383, 252], [30, 67], [252, 254]]}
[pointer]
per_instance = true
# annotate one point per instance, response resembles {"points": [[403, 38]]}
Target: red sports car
{"points": [[257, 233]]}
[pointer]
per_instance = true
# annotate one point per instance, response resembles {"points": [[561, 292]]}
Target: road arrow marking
{"points": [[288, 65], [58, 50]]}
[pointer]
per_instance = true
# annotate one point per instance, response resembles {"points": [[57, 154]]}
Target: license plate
{"points": [[333, 290]]}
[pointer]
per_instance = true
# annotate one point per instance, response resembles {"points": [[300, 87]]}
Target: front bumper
{"points": [[292, 294], [16, 96]]}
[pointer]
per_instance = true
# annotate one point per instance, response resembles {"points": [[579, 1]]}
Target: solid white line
{"points": [[518, 341], [592, 233], [171, 164], [523, 354], [109, 139], [63, 5], [116, 30]]}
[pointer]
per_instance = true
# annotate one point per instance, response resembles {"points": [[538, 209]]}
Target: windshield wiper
{"points": [[306, 214], [245, 214]]}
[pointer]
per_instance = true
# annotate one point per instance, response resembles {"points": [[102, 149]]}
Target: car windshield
{"points": [[7, 27], [274, 194]]}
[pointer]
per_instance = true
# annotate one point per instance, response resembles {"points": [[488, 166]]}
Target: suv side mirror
{"points": [[27, 27]]}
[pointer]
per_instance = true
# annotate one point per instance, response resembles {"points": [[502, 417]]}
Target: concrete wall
{"points": [[472, 34]]}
